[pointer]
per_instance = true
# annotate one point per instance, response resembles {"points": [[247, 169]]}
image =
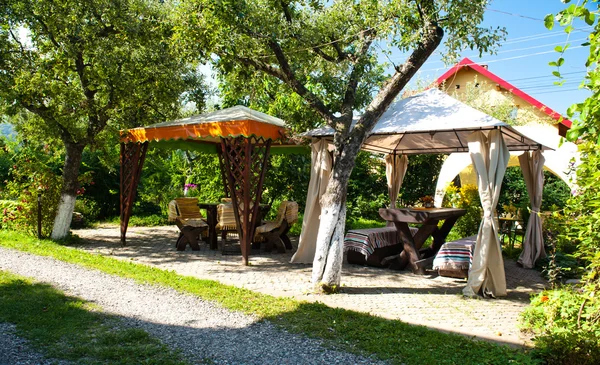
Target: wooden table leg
{"points": [[409, 255], [211, 220], [439, 236]]}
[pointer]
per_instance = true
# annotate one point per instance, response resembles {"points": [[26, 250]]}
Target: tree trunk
{"points": [[327, 264], [64, 214]]}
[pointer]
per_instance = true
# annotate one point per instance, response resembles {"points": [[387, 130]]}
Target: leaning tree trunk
{"points": [[64, 214], [327, 264]]}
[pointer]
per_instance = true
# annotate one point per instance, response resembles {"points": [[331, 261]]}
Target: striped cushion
{"points": [[172, 211], [455, 255], [287, 210], [226, 217], [188, 208], [193, 222], [291, 213]]}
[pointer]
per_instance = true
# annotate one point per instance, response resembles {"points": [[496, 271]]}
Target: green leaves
{"points": [[549, 21]]}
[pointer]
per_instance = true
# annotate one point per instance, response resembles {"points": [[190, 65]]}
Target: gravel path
{"points": [[17, 351], [200, 329]]}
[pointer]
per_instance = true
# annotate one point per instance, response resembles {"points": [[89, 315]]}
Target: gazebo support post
{"points": [[223, 174], [132, 161], [245, 160]]}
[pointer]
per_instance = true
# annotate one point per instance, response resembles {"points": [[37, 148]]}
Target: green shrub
{"points": [[466, 197], [30, 176], [566, 324], [88, 207]]}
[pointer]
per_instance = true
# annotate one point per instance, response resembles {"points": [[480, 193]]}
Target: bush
{"points": [[31, 175], [466, 197], [566, 324]]}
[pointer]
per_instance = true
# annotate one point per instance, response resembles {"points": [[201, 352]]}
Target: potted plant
{"points": [[427, 201]]}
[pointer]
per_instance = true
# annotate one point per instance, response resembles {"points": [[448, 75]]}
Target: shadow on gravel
{"points": [[68, 328]]}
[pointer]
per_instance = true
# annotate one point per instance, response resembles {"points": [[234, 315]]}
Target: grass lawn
{"points": [[69, 328], [351, 331]]}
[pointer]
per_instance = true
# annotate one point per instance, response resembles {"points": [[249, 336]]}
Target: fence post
{"points": [[39, 215]]}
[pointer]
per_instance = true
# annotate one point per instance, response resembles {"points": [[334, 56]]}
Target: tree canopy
{"points": [[79, 70]]}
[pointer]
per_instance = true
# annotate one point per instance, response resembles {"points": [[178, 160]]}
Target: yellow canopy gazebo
{"points": [[242, 138]]}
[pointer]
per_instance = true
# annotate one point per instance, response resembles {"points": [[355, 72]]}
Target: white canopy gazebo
{"points": [[558, 161], [431, 122]]}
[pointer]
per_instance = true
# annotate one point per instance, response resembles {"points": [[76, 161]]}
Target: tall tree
{"points": [[327, 53], [82, 69]]}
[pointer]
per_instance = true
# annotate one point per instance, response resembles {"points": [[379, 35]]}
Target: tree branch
{"points": [[47, 30], [94, 120], [290, 78], [356, 73], [45, 113], [286, 10], [262, 66], [431, 38]]}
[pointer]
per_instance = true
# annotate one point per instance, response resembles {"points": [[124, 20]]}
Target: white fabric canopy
{"points": [[432, 122], [395, 169], [235, 113], [490, 157], [532, 164], [321, 165], [557, 162]]}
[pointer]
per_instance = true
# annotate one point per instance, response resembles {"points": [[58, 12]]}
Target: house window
{"points": [[514, 112], [457, 86]]}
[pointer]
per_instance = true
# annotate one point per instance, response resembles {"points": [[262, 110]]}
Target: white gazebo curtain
{"points": [[395, 170], [490, 158], [532, 164], [321, 165]]}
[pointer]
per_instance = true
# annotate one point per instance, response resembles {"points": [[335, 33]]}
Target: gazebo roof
{"points": [[204, 131], [209, 127], [433, 122]]}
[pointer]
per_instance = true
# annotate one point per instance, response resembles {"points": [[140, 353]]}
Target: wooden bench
{"points": [[372, 246], [454, 258]]}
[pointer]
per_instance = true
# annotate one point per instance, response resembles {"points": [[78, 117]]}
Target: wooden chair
{"points": [[226, 220], [186, 214], [275, 232]]}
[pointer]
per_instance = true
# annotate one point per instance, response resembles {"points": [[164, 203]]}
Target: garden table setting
{"points": [[412, 242], [211, 220]]}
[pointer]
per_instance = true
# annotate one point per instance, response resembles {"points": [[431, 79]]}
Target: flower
{"points": [[544, 298], [427, 199], [188, 187]]}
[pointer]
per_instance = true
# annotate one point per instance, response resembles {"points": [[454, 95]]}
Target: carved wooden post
{"points": [[245, 161], [132, 161], [223, 173]]}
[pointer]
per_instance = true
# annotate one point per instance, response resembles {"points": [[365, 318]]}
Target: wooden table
{"points": [[412, 255], [508, 227], [211, 220]]}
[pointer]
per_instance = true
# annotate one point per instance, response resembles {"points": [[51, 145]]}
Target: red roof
{"points": [[502, 83]]}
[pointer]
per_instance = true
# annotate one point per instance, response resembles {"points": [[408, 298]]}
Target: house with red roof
{"points": [[467, 74]]}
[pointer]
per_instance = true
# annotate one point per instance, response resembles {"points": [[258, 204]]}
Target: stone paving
{"points": [[431, 301]]}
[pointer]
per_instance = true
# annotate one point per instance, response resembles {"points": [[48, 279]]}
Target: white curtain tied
{"points": [[321, 165], [395, 169], [532, 165], [490, 158]]}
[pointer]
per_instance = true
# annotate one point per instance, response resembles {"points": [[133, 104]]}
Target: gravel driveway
{"points": [[200, 329]]}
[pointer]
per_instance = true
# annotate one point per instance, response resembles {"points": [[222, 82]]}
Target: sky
{"points": [[523, 58]]}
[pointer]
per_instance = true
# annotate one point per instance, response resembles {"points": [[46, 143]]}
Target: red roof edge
{"points": [[466, 62]]}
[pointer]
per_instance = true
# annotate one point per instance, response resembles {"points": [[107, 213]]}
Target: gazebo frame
{"points": [[240, 136]]}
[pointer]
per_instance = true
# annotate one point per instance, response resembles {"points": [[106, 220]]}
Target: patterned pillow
{"points": [[226, 217]]}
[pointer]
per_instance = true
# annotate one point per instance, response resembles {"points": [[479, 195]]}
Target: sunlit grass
{"points": [[352, 331]]}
